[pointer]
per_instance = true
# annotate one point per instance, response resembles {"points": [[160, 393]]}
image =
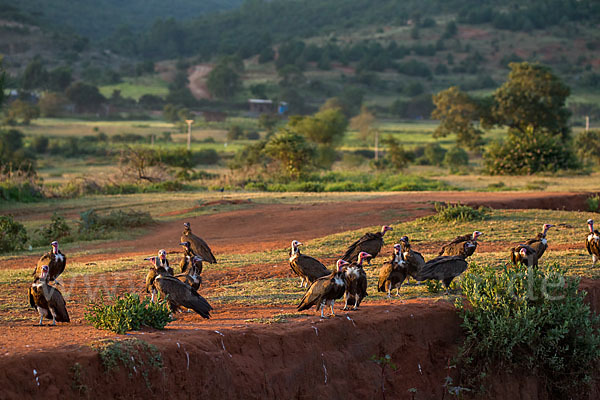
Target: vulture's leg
{"points": [[594, 259], [41, 319], [408, 280], [397, 291], [346, 296], [356, 301], [331, 304], [389, 289], [301, 282], [322, 309]]}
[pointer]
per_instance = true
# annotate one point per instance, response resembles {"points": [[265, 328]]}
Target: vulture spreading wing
{"points": [[525, 255], [369, 243], [443, 268], [325, 290], [539, 243], [49, 302], [309, 269], [180, 294], [464, 245], [592, 242], [198, 245], [55, 260], [393, 273]]}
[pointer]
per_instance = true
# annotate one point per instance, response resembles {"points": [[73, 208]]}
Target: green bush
{"points": [[13, 235], [529, 321], [458, 213], [56, 230], [25, 192], [127, 312], [92, 222], [434, 154], [456, 158], [593, 203]]}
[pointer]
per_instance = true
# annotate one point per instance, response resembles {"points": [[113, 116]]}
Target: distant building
{"points": [[260, 106]]}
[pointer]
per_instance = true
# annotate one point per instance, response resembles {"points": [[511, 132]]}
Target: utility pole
{"points": [[587, 123], [189, 122]]}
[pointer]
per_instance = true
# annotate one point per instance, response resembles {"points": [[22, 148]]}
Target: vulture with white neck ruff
{"points": [[198, 245], [393, 272], [461, 245], [48, 301], [592, 242], [525, 255], [369, 243], [160, 266], [325, 290], [309, 269], [356, 282], [55, 260], [539, 243]]}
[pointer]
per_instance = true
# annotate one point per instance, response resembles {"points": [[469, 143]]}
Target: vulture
{"points": [[461, 245], [369, 243], [356, 282], [180, 294], [199, 246], [539, 243], [47, 299], [309, 269], [191, 267], [161, 267], [525, 255], [325, 290], [54, 260], [592, 242], [414, 260], [443, 268], [393, 273]]}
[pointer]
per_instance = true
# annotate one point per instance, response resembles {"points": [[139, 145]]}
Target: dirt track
{"points": [[276, 362]]}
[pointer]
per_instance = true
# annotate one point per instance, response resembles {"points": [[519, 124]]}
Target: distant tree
{"points": [[326, 127], [259, 91], [13, 155], [20, 112], [85, 96], [52, 104], [364, 123], [235, 132], [396, 157], [35, 75], [2, 83], [268, 122], [588, 146], [456, 112], [151, 102], [60, 78], [451, 30], [291, 76], [293, 152], [456, 158], [291, 53], [223, 81], [267, 54]]}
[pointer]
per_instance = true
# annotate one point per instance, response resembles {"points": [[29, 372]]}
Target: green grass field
{"points": [[137, 87]]}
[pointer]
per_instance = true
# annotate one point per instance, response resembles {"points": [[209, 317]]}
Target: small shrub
{"points": [[593, 203], [434, 154], [459, 213], [127, 313], [456, 159], [56, 230], [528, 320], [13, 235], [92, 222]]}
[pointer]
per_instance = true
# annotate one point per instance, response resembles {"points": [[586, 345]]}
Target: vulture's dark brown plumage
{"points": [[325, 290], [414, 260], [47, 300], [160, 266], [392, 273], [191, 267], [539, 243], [443, 268], [198, 245], [356, 282], [55, 260], [525, 255], [309, 269], [369, 243], [180, 294], [464, 245], [592, 242]]}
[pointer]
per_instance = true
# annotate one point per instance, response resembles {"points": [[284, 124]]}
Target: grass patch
{"points": [[277, 318], [459, 213]]}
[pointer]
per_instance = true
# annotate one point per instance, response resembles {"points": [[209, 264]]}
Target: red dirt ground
{"points": [[304, 358]]}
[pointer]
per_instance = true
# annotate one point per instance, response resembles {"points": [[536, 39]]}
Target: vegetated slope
{"points": [[98, 18]]}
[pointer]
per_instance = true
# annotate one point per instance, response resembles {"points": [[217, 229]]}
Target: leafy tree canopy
{"points": [[456, 112], [326, 127], [293, 152]]}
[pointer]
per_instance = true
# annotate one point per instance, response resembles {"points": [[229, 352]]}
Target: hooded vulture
{"points": [[191, 267], [443, 268], [592, 242], [356, 282], [539, 243], [160, 267], [393, 273], [461, 245], [309, 269], [525, 255], [199, 246], [414, 260], [325, 290], [55, 260], [47, 299], [369, 243], [180, 294]]}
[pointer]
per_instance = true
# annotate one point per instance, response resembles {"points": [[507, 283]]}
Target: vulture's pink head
{"points": [[362, 255], [386, 228], [476, 234], [547, 226], [162, 254], [295, 244], [590, 223], [397, 248], [44, 273], [340, 264], [523, 251]]}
